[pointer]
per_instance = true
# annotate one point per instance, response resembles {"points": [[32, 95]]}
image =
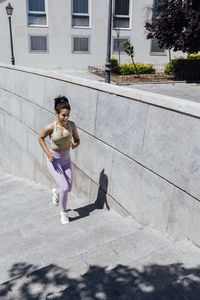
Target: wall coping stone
{"points": [[163, 101]]}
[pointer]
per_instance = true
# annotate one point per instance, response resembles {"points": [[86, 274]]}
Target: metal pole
{"points": [[11, 42], [107, 69], [118, 33], [170, 58]]}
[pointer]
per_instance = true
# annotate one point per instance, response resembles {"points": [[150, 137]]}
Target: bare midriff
{"points": [[61, 150]]}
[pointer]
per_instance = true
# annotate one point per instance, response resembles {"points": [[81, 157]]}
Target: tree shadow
{"points": [[154, 282], [100, 202]]}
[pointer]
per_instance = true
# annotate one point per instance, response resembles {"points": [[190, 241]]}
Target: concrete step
{"points": [[99, 254]]}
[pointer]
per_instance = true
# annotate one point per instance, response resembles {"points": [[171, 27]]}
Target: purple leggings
{"points": [[61, 169]]}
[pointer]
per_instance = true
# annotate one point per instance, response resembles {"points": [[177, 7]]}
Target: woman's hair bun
{"points": [[61, 102], [61, 99]]}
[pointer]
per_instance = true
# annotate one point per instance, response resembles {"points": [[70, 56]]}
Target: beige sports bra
{"points": [[61, 142]]}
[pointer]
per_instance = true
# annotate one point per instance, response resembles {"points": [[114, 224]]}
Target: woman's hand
{"points": [[75, 137], [72, 145], [50, 156]]}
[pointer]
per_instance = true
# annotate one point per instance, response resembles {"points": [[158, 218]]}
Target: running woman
{"points": [[63, 135]]}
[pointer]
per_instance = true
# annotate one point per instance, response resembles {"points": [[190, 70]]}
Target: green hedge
{"points": [[193, 56], [141, 69], [145, 69], [184, 69], [114, 67], [126, 69], [170, 68]]}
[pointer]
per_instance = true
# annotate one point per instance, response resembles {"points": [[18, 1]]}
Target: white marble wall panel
{"points": [[2, 117], [81, 185], [21, 84], [1, 78], [34, 148], [44, 157], [73, 154], [172, 148], [7, 155], [28, 113], [16, 158], [21, 136], [15, 106], [4, 158], [142, 193], [184, 221], [28, 165], [83, 102], [36, 88], [41, 174], [94, 156], [49, 181], [8, 79], [53, 88], [10, 126], [5, 100], [120, 123], [2, 139], [42, 118]]}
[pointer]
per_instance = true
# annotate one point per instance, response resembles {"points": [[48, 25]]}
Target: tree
{"points": [[175, 24], [129, 49]]}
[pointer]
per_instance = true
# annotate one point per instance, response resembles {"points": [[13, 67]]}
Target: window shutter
{"points": [[38, 43], [81, 44]]}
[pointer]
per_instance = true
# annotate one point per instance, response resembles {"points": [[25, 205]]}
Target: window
{"points": [[118, 44], [121, 14], [36, 12], [156, 3], [80, 44], [155, 49], [38, 43], [80, 13]]}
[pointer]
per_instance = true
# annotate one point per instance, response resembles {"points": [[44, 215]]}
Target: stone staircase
{"points": [[100, 254]]}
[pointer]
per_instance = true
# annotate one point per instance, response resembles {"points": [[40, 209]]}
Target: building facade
{"points": [[72, 34]]}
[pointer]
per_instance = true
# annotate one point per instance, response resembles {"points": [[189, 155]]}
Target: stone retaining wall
{"points": [[143, 149]]}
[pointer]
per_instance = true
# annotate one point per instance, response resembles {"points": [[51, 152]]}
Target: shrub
{"points": [[126, 69], [170, 68], [145, 69], [114, 65], [141, 68], [193, 56], [184, 69]]}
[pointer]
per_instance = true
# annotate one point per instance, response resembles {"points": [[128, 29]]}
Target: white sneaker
{"points": [[55, 197], [64, 218]]}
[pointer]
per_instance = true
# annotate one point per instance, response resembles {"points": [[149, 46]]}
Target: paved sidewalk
{"points": [[101, 256], [183, 90], [186, 91]]}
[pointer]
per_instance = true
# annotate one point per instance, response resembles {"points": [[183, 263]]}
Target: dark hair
{"points": [[61, 102]]}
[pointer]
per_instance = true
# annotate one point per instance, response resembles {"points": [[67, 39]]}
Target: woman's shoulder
{"points": [[71, 123], [49, 127]]}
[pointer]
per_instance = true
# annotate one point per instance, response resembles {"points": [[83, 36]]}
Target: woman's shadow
{"points": [[100, 201]]}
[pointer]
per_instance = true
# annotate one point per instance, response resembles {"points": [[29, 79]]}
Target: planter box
{"points": [[159, 76]]}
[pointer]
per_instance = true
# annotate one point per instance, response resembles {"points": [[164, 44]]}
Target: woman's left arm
{"points": [[75, 137]]}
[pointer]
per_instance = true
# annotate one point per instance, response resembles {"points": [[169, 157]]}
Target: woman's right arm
{"points": [[45, 132]]}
